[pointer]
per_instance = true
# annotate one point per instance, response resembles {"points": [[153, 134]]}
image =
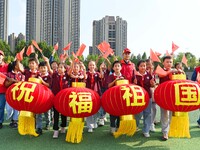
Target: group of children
{"points": [[58, 76]]}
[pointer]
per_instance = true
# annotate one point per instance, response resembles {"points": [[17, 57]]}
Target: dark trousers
{"points": [[56, 120], [114, 121]]}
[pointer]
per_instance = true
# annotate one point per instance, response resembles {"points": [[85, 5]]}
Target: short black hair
{"points": [[11, 66], [176, 64], [116, 62], [54, 62], [167, 57], [139, 62], [32, 59], [43, 63]]}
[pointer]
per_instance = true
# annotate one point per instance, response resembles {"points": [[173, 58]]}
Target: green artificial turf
{"points": [[100, 139]]}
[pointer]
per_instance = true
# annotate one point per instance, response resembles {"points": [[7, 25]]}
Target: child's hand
{"points": [[45, 59], [152, 82], [174, 71]]}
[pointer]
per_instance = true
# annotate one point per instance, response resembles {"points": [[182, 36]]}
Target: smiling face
{"points": [[32, 65], [43, 70], [61, 68], [142, 67], [91, 66]]}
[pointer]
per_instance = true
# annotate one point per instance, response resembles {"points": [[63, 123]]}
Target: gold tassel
{"points": [[75, 130], [26, 123], [179, 126], [127, 126]]}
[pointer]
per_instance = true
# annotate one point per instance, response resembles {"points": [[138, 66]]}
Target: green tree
{"points": [[144, 56], [20, 45]]}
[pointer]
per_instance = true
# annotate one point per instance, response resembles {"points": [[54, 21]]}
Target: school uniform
{"points": [[47, 79], [165, 114], [144, 81], [59, 82], [114, 120], [30, 74], [93, 82]]}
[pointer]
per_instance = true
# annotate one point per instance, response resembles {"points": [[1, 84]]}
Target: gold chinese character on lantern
{"points": [[81, 102], [187, 94], [26, 89], [136, 98]]}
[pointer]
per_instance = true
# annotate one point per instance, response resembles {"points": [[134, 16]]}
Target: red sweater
{"points": [[4, 70]]}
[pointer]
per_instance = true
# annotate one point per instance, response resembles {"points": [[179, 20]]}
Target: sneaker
{"points": [[62, 130], [55, 134], [112, 130], [95, 125], [101, 122], [11, 124], [39, 131], [152, 128], [90, 130], [165, 137], [1, 125], [14, 125], [146, 135]]}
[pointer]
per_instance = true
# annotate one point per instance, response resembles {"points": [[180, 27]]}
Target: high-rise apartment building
{"points": [[13, 41], [112, 30], [54, 21], [3, 19]]}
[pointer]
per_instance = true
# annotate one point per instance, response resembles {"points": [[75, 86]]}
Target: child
{"points": [[76, 74], [150, 70], [93, 82], [32, 71], [179, 68], [104, 86], [45, 77], [15, 70], [59, 82], [145, 80], [114, 120], [165, 114]]}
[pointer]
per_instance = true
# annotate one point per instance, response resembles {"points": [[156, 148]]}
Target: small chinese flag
{"points": [[108, 52], [160, 71], [68, 46], [30, 50], [56, 46], [184, 60], [80, 50], [103, 46], [36, 45], [19, 55], [2, 78], [153, 56], [174, 47], [75, 57]]}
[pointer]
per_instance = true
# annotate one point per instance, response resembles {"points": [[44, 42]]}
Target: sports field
{"points": [[100, 139]]}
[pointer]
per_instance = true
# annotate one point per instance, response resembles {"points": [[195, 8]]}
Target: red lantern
{"points": [[178, 95], [125, 99], [28, 98], [76, 102]]}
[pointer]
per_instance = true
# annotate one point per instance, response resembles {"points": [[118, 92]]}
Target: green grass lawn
{"points": [[100, 139]]}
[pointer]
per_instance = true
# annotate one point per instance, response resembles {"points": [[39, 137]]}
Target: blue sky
{"points": [[151, 23]]}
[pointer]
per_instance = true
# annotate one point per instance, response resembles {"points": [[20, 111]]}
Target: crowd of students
{"points": [[58, 76]]}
